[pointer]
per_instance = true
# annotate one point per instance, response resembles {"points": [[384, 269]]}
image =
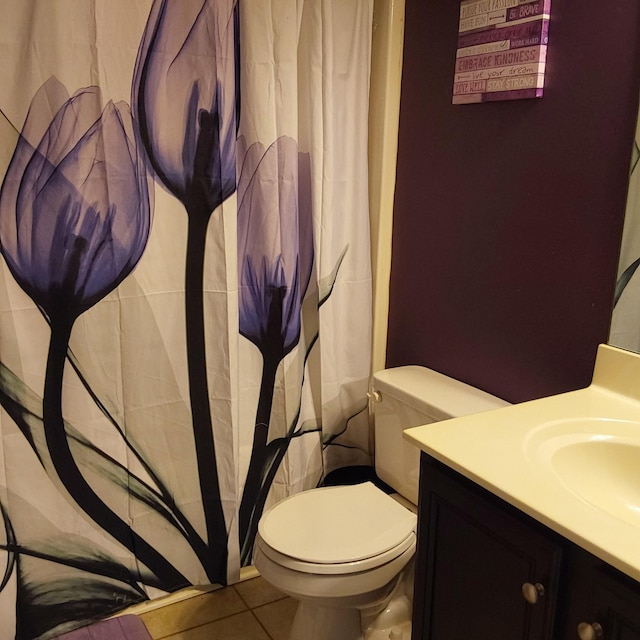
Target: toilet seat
{"points": [[335, 530], [342, 568]]}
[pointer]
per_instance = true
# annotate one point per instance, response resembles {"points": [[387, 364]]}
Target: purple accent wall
{"points": [[508, 215]]}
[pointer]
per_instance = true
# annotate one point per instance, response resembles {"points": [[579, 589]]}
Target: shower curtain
{"points": [[185, 288], [625, 320]]}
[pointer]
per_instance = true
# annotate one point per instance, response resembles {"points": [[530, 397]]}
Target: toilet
{"points": [[346, 552]]}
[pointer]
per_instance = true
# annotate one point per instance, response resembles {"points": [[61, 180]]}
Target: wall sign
{"points": [[502, 50]]}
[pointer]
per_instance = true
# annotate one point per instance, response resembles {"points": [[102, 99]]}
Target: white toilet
{"points": [[345, 552]]}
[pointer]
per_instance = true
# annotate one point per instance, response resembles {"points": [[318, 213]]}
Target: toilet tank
{"points": [[410, 396]]}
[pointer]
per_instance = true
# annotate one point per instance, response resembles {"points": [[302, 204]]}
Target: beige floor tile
{"points": [[193, 612], [277, 617], [257, 591], [242, 626]]}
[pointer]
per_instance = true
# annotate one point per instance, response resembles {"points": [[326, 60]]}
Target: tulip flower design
{"points": [[185, 97], [74, 221], [275, 260]]}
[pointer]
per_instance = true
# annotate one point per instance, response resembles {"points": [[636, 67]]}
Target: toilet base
{"points": [[315, 622]]}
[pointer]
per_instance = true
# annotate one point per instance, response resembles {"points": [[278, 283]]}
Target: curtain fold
{"points": [[185, 288], [625, 319]]}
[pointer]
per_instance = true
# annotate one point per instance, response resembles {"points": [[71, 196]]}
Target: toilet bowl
{"points": [[346, 553], [338, 550]]}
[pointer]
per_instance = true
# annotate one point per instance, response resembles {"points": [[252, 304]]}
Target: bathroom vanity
{"points": [[494, 573], [529, 516]]}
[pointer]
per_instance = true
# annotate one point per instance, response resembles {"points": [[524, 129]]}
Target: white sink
{"points": [[571, 461], [597, 459]]}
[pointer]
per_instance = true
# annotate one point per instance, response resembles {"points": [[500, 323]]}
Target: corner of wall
{"points": [[384, 111]]}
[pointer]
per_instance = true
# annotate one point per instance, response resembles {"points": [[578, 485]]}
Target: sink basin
{"points": [[570, 461], [597, 459]]}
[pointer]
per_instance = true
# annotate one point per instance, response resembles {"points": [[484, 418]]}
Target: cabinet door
{"points": [[601, 603], [474, 556], [616, 604]]}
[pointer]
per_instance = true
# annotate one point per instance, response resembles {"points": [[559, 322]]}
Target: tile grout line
{"points": [[261, 625], [223, 617], [262, 604], [244, 601], [231, 615], [246, 604], [252, 609], [181, 632]]}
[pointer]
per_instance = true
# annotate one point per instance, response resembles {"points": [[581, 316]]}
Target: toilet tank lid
{"points": [[434, 393]]}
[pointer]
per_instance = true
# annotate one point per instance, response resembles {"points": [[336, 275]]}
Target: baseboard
{"points": [[246, 573]]}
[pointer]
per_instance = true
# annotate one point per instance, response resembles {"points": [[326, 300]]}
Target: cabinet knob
{"points": [[588, 631], [532, 592]]}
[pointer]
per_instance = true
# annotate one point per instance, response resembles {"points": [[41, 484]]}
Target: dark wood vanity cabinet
{"points": [[489, 572], [602, 601], [478, 556]]}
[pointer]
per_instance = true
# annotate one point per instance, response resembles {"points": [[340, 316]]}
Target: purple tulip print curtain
{"points": [[185, 289]]}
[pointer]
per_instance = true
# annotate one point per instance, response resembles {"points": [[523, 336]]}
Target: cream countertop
{"points": [[512, 453]]}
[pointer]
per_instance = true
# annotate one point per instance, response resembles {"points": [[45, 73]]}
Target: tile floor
{"points": [[249, 610]]}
